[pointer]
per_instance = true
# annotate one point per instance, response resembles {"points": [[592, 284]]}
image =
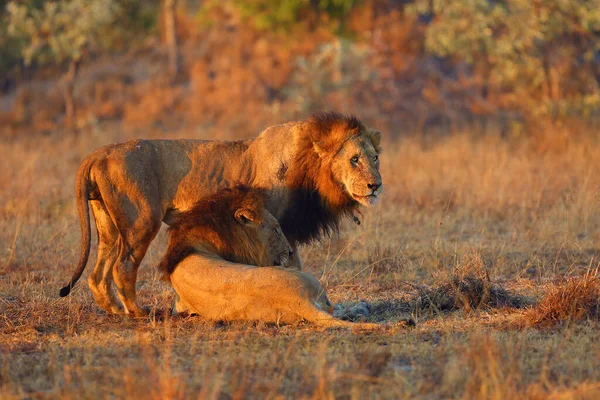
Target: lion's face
{"points": [[356, 167], [275, 248]]}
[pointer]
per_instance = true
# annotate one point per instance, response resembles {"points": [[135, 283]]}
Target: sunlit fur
{"points": [[133, 187], [234, 224]]}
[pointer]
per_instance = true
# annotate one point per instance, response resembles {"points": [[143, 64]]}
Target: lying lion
{"points": [[314, 172], [211, 258]]}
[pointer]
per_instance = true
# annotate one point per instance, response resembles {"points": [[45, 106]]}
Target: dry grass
{"points": [[479, 225], [469, 287], [571, 299]]}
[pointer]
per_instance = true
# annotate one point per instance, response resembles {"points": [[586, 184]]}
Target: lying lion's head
{"points": [[235, 225], [259, 238]]}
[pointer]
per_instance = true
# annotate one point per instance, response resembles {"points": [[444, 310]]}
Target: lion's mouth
{"points": [[369, 197], [367, 200], [281, 261]]}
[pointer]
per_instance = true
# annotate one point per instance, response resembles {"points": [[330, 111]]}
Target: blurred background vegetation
{"points": [[415, 66]]}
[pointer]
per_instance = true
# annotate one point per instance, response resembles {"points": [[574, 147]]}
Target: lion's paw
{"points": [[355, 312]]}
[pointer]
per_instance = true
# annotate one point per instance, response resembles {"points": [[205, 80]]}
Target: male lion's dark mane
{"points": [[318, 202], [211, 220]]}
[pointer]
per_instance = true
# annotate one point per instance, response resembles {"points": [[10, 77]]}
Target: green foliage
{"points": [[137, 17], [269, 14], [542, 52], [282, 15], [63, 30], [132, 19], [10, 50]]}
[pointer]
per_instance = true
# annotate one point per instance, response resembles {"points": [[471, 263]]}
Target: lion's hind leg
{"points": [[132, 250], [100, 281], [134, 207]]}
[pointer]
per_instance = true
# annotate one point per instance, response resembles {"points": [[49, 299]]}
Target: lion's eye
{"points": [[354, 160], [375, 158]]}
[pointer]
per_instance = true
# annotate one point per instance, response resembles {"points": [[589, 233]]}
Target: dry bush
{"points": [[156, 100], [241, 72], [241, 77], [105, 90], [572, 299], [469, 287], [38, 105]]}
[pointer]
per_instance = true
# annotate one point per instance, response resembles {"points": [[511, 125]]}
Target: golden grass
{"points": [[571, 299], [473, 224]]}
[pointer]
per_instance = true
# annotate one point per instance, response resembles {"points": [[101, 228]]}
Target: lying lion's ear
{"points": [[320, 150], [375, 137], [245, 216]]}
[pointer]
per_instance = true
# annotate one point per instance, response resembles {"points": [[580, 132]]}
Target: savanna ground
{"points": [[489, 244]]}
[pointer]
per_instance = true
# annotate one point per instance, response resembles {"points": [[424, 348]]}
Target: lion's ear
{"points": [[320, 149], [375, 136], [245, 215]]}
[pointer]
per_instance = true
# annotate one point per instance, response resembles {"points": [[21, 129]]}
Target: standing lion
{"points": [[314, 172]]}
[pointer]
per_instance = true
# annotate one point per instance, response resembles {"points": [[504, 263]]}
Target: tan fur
{"points": [[219, 290], [304, 168]]}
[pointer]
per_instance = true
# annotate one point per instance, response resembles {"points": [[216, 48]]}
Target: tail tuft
{"points": [[65, 291]]}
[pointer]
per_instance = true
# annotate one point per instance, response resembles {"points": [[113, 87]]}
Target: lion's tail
{"points": [[322, 318], [82, 192], [336, 323]]}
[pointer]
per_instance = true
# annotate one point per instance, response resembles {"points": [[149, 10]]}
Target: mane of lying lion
{"points": [[211, 222], [318, 202]]}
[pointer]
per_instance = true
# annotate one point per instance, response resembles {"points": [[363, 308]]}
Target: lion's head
{"points": [[235, 225], [335, 169], [354, 164]]}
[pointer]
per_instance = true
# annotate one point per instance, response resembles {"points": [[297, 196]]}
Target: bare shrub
{"points": [[469, 287]]}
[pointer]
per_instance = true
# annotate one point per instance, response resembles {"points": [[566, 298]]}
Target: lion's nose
{"points": [[374, 186]]}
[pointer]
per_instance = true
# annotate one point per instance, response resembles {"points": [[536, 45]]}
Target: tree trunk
{"points": [[69, 81], [171, 36], [550, 83]]}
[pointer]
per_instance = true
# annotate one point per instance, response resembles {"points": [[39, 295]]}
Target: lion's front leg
{"points": [[180, 307]]}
